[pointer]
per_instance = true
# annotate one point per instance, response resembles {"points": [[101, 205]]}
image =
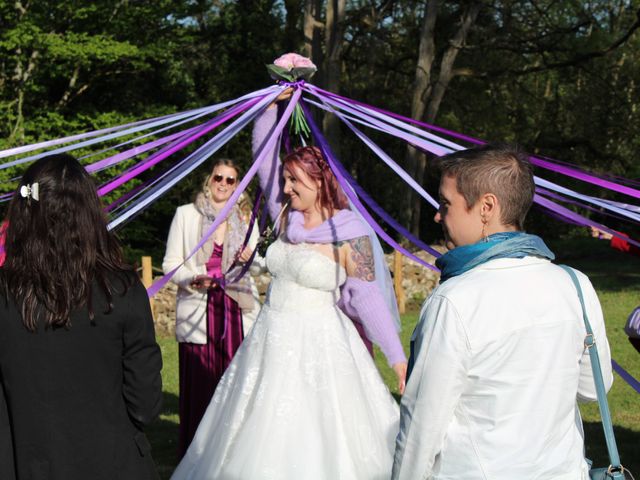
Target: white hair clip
{"points": [[30, 191]]}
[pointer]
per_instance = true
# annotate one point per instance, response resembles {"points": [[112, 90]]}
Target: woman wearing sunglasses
{"points": [[211, 300]]}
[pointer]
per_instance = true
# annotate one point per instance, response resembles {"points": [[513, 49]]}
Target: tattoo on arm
{"points": [[362, 256]]}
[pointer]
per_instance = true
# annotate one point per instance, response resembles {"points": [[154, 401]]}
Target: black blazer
{"points": [[73, 401]]}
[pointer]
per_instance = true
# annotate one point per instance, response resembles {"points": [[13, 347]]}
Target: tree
{"points": [[329, 33], [504, 41], [427, 93]]}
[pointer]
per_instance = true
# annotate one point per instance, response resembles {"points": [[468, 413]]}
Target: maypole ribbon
{"points": [[556, 196], [339, 172], [9, 152], [186, 166], [124, 130], [626, 376], [567, 171], [135, 151], [411, 139], [386, 159], [155, 158], [93, 141], [262, 155], [374, 206], [577, 218], [210, 110]]}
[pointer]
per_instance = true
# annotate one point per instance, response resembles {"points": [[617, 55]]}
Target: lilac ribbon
{"points": [[132, 152], [608, 176], [539, 181], [378, 209], [262, 155], [368, 111], [561, 198], [340, 172], [85, 143], [579, 219], [570, 172], [222, 281], [252, 224], [72, 138], [120, 131], [626, 206], [127, 197], [346, 106], [209, 110], [386, 159], [586, 198], [626, 376], [186, 166], [590, 178], [156, 158]]}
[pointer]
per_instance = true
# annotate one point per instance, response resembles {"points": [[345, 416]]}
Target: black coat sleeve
{"points": [[7, 467], [142, 359]]}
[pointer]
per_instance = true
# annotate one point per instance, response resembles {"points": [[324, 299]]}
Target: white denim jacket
{"points": [[499, 365]]}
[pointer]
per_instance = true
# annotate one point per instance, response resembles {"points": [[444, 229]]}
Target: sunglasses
{"points": [[219, 178]]}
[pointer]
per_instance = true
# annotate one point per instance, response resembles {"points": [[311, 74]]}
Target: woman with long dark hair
{"points": [[79, 364]]}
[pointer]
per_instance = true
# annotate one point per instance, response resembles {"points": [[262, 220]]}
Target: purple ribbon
{"points": [[578, 219], [178, 145], [132, 152], [570, 172], [626, 376], [224, 212], [72, 138], [561, 198], [590, 178], [386, 159], [252, 223], [339, 171]]}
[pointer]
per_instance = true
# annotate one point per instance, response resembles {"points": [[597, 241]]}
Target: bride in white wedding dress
{"points": [[302, 398]]}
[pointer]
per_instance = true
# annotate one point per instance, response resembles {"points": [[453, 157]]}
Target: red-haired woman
{"points": [[302, 398]]}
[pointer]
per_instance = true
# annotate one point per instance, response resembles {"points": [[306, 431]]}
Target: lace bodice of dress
{"points": [[302, 277]]}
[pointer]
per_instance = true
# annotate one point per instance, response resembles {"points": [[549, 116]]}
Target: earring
{"points": [[207, 192], [485, 238]]}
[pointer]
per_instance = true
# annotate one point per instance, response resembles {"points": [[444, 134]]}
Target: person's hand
{"points": [[401, 372], [245, 255], [600, 234], [202, 282], [284, 95]]}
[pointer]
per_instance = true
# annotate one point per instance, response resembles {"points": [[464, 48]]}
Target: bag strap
{"points": [[590, 344]]}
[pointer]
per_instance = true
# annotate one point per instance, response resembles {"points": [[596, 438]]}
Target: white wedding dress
{"points": [[302, 399]]}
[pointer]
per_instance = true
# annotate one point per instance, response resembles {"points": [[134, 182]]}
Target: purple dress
{"points": [[202, 366]]}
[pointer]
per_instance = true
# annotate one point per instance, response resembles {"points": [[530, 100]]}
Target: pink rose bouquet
{"points": [[291, 67]]}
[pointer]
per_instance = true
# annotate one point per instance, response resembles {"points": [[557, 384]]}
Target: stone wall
{"points": [[417, 282]]}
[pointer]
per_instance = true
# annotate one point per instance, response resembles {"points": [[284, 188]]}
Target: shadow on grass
{"points": [[608, 269], [628, 446], [163, 435]]}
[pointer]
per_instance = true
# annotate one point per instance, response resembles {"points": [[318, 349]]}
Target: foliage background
{"points": [[560, 78]]}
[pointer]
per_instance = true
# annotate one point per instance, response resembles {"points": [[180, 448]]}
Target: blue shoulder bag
{"points": [[615, 470]]}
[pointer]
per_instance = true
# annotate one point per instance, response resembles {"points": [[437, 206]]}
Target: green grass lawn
{"points": [[616, 278]]}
